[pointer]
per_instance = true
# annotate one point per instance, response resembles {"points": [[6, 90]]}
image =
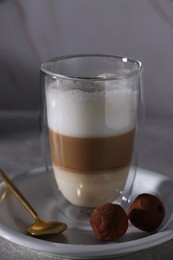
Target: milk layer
{"points": [[91, 189]]}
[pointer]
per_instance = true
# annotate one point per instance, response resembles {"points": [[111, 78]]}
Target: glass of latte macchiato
{"points": [[91, 111]]}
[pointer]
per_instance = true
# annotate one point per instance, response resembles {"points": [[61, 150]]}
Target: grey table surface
{"points": [[20, 151]]}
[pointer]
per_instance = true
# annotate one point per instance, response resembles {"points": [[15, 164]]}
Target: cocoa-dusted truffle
{"points": [[146, 212], [109, 221]]}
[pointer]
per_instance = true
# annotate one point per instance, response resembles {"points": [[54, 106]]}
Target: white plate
{"points": [[78, 241]]}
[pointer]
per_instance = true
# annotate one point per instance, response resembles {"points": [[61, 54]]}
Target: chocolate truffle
{"points": [[146, 212], [109, 221]]}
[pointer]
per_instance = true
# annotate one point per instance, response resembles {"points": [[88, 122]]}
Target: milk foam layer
{"points": [[91, 190], [91, 114]]}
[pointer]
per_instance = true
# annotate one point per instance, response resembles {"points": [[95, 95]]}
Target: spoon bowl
{"points": [[42, 227], [39, 227]]}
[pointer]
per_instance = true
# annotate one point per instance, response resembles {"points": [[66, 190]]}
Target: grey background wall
{"points": [[32, 31]]}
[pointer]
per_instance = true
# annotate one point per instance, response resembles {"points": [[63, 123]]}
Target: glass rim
{"points": [[124, 59]]}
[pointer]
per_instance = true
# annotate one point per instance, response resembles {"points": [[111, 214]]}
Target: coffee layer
{"points": [[77, 153]]}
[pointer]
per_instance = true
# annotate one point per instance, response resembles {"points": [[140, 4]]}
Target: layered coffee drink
{"points": [[91, 132]]}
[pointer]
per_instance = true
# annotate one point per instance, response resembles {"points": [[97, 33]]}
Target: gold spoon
{"points": [[40, 227]]}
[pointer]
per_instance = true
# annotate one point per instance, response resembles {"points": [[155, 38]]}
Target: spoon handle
{"points": [[18, 194]]}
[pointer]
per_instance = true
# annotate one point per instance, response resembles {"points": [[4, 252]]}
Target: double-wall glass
{"points": [[91, 111]]}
